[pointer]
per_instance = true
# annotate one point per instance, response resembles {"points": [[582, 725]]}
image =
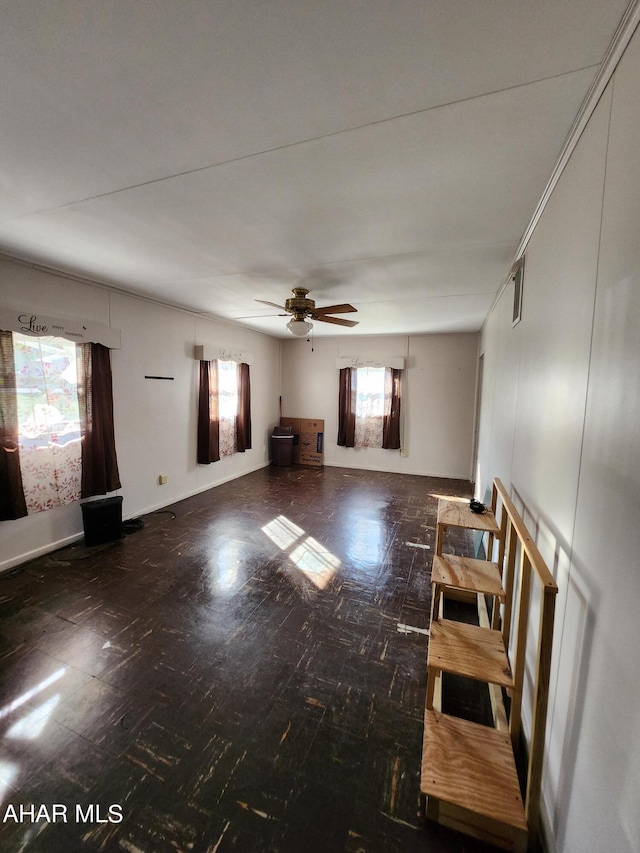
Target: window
{"points": [[369, 407], [228, 406], [57, 441], [370, 397], [370, 392], [48, 420], [224, 410]]}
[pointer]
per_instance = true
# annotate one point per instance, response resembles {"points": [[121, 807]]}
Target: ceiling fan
{"points": [[303, 309]]}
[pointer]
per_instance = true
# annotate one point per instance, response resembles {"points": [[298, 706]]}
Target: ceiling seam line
{"points": [[468, 247], [274, 271], [284, 147], [114, 289], [386, 302]]}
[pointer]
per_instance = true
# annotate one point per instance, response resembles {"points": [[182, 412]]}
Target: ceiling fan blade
{"points": [[258, 316], [337, 320], [272, 304], [345, 308]]}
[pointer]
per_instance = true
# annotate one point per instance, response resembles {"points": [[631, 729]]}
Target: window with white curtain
{"points": [[370, 406], [48, 420], [228, 406], [369, 401]]}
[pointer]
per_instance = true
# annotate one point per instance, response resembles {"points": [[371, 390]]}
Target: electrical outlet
{"points": [[403, 452], [162, 479]]}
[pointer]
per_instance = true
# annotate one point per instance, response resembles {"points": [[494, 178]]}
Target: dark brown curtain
{"points": [[391, 421], [12, 502], [95, 402], [243, 422], [347, 408], [208, 419]]}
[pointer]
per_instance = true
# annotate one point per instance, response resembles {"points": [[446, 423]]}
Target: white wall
{"points": [[560, 409], [155, 420], [437, 402]]}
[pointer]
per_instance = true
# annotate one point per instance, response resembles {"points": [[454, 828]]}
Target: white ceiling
{"points": [[207, 154]]}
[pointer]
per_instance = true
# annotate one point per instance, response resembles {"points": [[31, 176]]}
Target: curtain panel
{"points": [[208, 416], [347, 402], [209, 419], [391, 421], [346, 408], [95, 403], [12, 500], [243, 422]]}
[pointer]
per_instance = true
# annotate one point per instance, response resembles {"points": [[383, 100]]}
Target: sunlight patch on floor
{"points": [[309, 556], [31, 726], [29, 694]]}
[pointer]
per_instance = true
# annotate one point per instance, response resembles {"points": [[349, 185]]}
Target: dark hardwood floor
{"points": [[247, 676]]}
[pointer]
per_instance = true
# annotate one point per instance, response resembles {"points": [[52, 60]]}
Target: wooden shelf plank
{"points": [[470, 651], [457, 514], [471, 766], [465, 573]]}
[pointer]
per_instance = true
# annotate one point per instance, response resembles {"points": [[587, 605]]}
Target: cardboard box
{"points": [[308, 440], [313, 459]]}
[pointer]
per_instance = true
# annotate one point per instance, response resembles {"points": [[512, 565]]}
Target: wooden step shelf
{"points": [[469, 776], [455, 513], [468, 780], [466, 650], [451, 573]]}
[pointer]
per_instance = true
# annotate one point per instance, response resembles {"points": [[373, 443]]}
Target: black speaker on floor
{"points": [[102, 521]]}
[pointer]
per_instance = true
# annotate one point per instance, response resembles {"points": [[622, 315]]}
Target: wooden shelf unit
{"points": [[469, 780], [451, 573], [467, 650]]}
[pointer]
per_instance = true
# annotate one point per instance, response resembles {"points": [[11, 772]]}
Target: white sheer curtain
{"points": [[373, 400], [49, 421], [228, 406]]}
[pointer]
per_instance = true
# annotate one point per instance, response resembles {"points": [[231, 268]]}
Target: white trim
{"points": [[50, 547], [39, 325], [29, 556], [122, 291], [197, 490], [397, 470], [203, 352], [619, 43], [397, 362], [615, 51]]}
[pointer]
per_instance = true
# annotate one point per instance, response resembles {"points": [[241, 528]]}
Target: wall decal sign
{"points": [[41, 325]]}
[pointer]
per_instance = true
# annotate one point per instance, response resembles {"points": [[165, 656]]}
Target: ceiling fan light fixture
{"points": [[299, 328]]}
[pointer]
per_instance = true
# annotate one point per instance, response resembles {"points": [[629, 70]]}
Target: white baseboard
{"points": [[50, 547], [28, 556]]}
